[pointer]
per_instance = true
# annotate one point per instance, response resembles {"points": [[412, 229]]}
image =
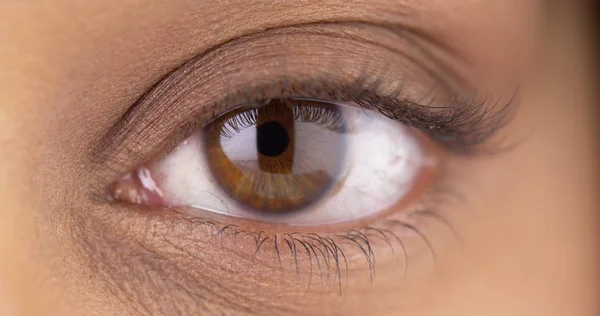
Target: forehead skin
{"points": [[70, 66]]}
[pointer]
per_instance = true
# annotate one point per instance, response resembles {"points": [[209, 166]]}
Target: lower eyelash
{"points": [[325, 257]]}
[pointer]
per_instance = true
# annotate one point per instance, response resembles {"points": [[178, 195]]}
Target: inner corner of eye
{"points": [[138, 187], [313, 163]]}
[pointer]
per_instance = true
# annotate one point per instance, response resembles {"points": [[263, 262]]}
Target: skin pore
{"points": [[71, 69]]}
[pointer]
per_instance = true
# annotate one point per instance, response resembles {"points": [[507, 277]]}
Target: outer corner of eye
{"points": [[311, 164]]}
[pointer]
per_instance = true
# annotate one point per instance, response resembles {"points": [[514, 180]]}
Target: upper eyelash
{"points": [[333, 120], [459, 127]]}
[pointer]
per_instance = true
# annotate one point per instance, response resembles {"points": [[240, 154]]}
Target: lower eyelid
{"points": [[399, 243]]}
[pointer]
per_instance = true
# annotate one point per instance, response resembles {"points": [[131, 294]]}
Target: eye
{"points": [[300, 162], [293, 161]]}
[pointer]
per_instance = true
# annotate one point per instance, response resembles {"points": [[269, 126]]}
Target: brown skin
{"points": [[70, 68]]}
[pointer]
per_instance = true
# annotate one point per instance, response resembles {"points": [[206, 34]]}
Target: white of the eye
{"points": [[384, 159], [382, 162]]}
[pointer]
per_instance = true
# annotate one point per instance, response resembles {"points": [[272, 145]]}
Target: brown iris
{"points": [[281, 157]]}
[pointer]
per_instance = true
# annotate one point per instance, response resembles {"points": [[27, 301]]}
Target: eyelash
{"points": [[332, 120], [459, 127]]}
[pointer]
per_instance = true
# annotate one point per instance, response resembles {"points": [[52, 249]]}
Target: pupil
{"points": [[272, 139]]}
